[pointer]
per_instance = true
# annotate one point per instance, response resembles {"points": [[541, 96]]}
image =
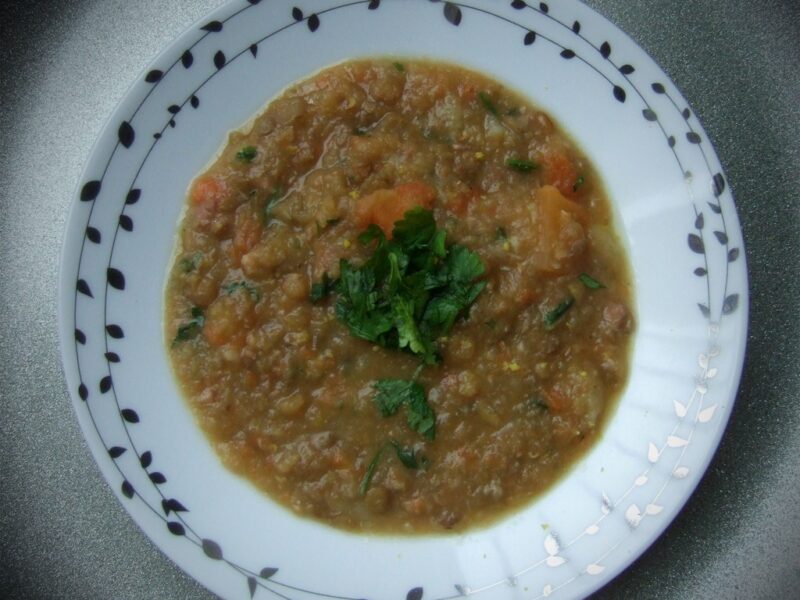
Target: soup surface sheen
{"points": [[511, 394]]}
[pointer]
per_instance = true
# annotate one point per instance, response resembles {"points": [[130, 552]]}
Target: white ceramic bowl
{"points": [[674, 211]]}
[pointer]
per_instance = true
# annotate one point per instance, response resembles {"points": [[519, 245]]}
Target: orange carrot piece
{"points": [[560, 171], [384, 207]]}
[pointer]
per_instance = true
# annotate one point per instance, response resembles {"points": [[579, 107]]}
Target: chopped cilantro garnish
{"points": [[590, 282], [394, 393], [246, 154], [360, 131], [189, 263], [411, 290], [409, 458], [578, 183], [500, 234], [554, 316], [191, 328], [367, 479], [272, 201], [486, 100], [322, 288], [399, 66], [231, 287], [522, 165]]}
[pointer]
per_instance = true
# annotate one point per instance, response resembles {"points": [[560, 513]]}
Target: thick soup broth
{"points": [[382, 383]]}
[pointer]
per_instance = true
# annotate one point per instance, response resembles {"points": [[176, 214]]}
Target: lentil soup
{"points": [[435, 372]]}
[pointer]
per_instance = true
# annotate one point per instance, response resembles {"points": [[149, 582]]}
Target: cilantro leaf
{"points": [[521, 165], [367, 479], [322, 288], [394, 393], [552, 318], [242, 285], [247, 154], [192, 328], [407, 456], [590, 282]]}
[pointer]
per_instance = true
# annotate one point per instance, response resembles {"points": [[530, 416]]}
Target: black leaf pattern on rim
{"points": [[722, 237], [699, 222], [115, 278], [576, 27], [83, 288], [105, 384], [126, 134], [374, 4], [267, 572], [112, 357], [519, 4], [658, 88], [693, 137], [212, 549], [172, 505], [719, 184], [175, 528], [530, 37], [127, 489], [544, 8], [126, 222], [90, 190], [649, 114], [212, 27], [173, 109], [605, 50], [715, 207], [700, 272], [671, 141], [83, 392], [157, 478], [187, 59], [129, 415], [157, 136], [93, 234], [704, 309], [626, 69], [194, 101], [567, 53], [730, 304], [80, 337], [154, 76], [219, 59], [116, 451], [133, 196], [297, 14], [252, 584], [146, 459], [619, 93], [415, 594], [313, 23], [696, 244], [452, 13], [733, 254], [115, 331], [686, 113], [254, 50]]}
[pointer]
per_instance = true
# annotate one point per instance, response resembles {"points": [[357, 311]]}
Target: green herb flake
{"points": [[500, 234], [392, 394], [590, 282], [360, 131], [399, 66], [191, 328], [272, 201], [233, 286], [190, 263], [407, 456], [322, 288], [521, 165], [486, 100], [578, 183], [552, 318], [366, 481], [246, 154]]}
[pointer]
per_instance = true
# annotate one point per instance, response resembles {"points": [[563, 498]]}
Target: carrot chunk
{"points": [[384, 207]]}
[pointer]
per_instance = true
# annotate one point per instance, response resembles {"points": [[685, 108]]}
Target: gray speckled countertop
{"points": [[65, 66]]}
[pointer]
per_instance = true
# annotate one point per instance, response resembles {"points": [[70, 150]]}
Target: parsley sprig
{"points": [[411, 290]]}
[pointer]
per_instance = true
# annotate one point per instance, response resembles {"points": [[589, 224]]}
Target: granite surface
{"points": [[65, 66]]}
